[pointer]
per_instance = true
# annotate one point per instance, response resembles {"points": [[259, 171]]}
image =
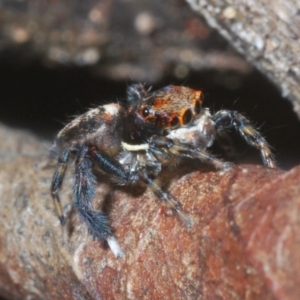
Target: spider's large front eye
{"points": [[187, 116], [145, 112]]}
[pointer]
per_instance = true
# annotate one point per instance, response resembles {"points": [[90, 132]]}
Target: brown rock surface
{"points": [[244, 243]]}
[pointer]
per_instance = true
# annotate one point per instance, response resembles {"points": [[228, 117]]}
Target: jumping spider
{"points": [[135, 143]]}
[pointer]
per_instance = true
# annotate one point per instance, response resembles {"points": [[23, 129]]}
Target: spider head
{"points": [[170, 107], [159, 112]]}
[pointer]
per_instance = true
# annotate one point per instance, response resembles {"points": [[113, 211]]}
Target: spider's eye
{"points": [[197, 107], [187, 116], [175, 121], [145, 112]]}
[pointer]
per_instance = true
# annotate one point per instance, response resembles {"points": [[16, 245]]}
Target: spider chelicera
{"points": [[134, 143]]}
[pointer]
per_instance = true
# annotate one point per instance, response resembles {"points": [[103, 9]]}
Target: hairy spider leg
{"points": [[181, 149], [136, 92], [113, 167], [177, 148], [165, 197], [56, 184], [228, 118], [84, 192]]}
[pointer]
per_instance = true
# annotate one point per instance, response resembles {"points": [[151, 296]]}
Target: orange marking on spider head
{"points": [[198, 96], [160, 102]]}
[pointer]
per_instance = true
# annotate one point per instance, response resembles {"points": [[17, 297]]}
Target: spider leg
{"points": [[187, 150], [56, 184], [84, 192], [165, 197], [225, 118], [113, 167]]}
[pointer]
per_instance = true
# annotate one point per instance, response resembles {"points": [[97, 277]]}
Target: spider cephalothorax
{"points": [[135, 143], [157, 112]]}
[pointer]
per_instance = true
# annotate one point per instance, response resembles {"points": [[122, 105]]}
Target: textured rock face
{"points": [[243, 244], [266, 32]]}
